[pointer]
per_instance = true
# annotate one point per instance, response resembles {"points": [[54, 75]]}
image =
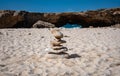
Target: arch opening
{"points": [[68, 25]]}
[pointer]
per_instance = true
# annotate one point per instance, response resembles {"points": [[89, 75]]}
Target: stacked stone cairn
{"points": [[56, 44]]}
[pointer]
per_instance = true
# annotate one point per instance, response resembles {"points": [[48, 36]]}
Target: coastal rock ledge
{"points": [[23, 19]]}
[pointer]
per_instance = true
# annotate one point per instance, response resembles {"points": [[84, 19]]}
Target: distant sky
{"points": [[57, 5]]}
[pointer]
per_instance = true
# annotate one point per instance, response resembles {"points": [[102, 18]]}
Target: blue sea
{"points": [[72, 26]]}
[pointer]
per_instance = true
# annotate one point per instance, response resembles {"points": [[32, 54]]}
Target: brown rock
{"points": [[57, 47], [101, 18]]}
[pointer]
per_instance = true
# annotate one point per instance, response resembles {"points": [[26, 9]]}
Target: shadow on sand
{"points": [[74, 56], [69, 56]]}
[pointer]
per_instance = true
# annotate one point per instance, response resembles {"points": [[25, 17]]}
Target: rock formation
{"points": [[56, 44], [23, 19], [43, 24]]}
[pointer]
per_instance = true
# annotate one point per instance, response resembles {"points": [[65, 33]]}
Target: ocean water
{"points": [[71, 26]]}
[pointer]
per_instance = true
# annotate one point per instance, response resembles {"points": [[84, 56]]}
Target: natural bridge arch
{"points": [[83, 19], [24, 19]]}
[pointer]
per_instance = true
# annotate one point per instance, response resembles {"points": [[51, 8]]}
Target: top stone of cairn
{"points": [[57, 34]]}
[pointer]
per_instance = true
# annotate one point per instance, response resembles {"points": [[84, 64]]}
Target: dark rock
{"points": [[1, 33], [2, 65], [8, 20], [23, 19]]}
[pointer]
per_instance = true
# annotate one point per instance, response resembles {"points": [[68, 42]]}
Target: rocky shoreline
{"points": [[93, 52], [24, 19]]}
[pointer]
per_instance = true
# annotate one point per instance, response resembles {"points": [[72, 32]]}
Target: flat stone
{"points": [[53, 55], [57, 47], [56, 43]]}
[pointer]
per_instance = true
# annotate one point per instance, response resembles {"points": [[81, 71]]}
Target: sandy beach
{"points": [[93, 51]]}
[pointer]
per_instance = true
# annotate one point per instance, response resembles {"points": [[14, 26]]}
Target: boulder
{"points": [[43, 24], [57, 34]]}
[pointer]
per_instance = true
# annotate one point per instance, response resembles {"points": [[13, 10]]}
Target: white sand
{"points": [[23, 52]]}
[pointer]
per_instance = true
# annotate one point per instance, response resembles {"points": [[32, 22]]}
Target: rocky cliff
{"points": [[23, 19]]}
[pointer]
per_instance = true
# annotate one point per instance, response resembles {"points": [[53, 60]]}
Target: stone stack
{"points": [[56, 44]]}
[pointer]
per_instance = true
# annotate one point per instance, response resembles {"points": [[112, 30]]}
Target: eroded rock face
{"points": [[101, 18], [8, 19]]}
